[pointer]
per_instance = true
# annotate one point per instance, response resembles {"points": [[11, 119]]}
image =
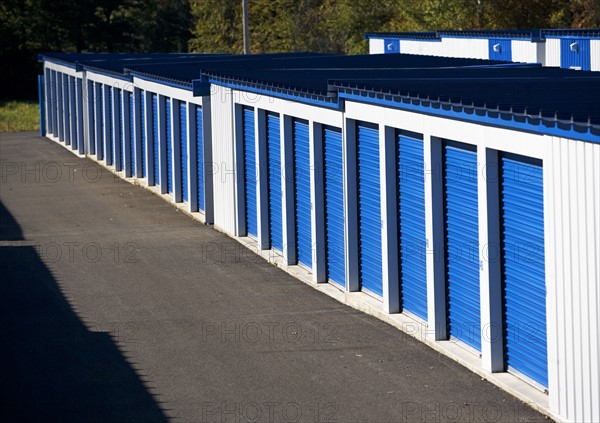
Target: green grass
{"points": [[19, 116]]}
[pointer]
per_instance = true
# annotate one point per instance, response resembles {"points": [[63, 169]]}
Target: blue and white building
{"points": [[455, 198], [566, 48]]}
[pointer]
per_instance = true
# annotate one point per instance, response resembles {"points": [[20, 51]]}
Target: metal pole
{"points": [[245, 24]]}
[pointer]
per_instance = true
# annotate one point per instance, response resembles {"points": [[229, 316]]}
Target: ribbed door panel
{"points": [[67, 106], [250, 172], [184, 154], [109, 123], [369, 209], [579, 57], [169, 146], [302, 192], [275, 200], [91, 101], [143, 130], [334, 205], [411, 215], [59, 106], [119, 132], [102, 123], [131, 139], [200, 155], [524, 284], [155, 144], [462, 243]]}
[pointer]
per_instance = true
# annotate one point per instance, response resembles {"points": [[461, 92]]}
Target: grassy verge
{"points": [[19, 116]]}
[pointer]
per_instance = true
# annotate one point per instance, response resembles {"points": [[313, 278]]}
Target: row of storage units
{"points": [[565, 48], [470, 217]]}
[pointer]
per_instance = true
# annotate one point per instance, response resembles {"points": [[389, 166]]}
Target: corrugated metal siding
{"points": [[525, 51], [184, 149], [49, 100], [222, 108], [119, 132], [474, 48], [200, 158], [523, 274], [250, 172], [72, 114], [424, 48], [169, 141], [101, 121], [572, 190], [275, 191], [302, 192], [595, 55], [462, 243], [155, 142], [552, 52], [376, 46], [60, 105], [369, 209], [67, 110], [334, 205], [579, 58], [411, 221], [110, 153]]}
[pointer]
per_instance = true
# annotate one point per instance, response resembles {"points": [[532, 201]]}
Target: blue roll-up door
{"points": [[67, 107], [500, 49], [334, 205], [250, 174], [411, 221], [131, 139], [101, 121], [462, 243], [184, 148], [109, 123], [169, 146], [155, 143], [200, 157], [524, 282], [72, 113], [143, 130], [575, 53], [302, 192], [119, 132], [369, 209], [54, 105], [275, 200], [60, 105], [91, 116]]}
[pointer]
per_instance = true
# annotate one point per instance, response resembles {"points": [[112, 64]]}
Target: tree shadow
{"points": [[52, 366]]}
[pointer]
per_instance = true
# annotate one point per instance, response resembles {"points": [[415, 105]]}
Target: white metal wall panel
{"points": [[223, 158], [524, 51], [425, 48], [595, 55], [376, 46], [573, 272], [552, 52], [474, 48]]}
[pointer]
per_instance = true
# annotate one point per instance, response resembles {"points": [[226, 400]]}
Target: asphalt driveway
{"points": [[114, 306]]}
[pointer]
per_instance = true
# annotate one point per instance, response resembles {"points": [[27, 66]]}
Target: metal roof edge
{"points": [[156, 78], [481, 115]]}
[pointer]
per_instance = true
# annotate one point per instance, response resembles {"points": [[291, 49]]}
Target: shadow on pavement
{"points": [[53, 368]]}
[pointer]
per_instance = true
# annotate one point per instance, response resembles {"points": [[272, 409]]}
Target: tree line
{"points": [[28, 27]]}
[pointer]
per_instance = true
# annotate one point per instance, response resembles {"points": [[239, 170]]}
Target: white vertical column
{"points": [[389, 220], [290, 249], [434, 232], [490, 280], [107, 122], [262, 186], [349, 147], [317, 199], [82, 122], [127, 135], [116, 104], [137, 132]]}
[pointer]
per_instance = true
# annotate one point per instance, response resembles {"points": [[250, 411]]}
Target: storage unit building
{"points": [[462, 196], [566, 48]]}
